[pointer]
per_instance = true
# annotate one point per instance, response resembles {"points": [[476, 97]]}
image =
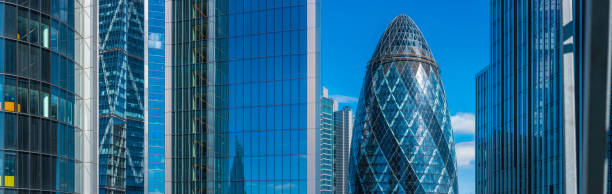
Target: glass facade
{"points": [[155, 109], [328, 107], [121, 96], [199, 73], [245, 82], [525, 118], [402, 140], [42, 96], [343, 125]]}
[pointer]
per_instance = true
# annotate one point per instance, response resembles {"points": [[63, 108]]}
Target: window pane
{"points": [[22, 170], [35, 134], [34, 67], [9, 94], [10, 133], [44, 30], [9, 169], [45, 6], [44, 100], [10, 15], [2, 61], [34, 98], [23, 61], [22, 28], [2, 20], [23, 133], [33, 27], [45, 67], [22, 105], [54, 102], [10, 56]]}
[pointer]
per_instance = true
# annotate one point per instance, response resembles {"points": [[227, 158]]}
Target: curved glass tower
{"points": [[402, 140]]}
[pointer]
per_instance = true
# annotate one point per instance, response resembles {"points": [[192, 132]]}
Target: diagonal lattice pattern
{"points": [[403, 141]]}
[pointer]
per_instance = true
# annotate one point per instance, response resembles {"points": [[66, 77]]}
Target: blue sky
{"points": [[457, 33]]}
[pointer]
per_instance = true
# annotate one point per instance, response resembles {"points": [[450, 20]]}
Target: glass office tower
{"points": [[121, 34], [155, 99], [244, 73], [525, 100], [197, 61], [343, 127], [327, 137], [47, 104], [402, 140]]}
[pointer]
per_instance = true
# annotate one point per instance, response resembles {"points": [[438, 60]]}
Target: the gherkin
{"points": [[402, 140]]}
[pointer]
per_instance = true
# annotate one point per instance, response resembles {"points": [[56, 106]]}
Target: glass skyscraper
{"points": [[244, 73], [47, 96], [402, 140], [343, 125], [328, 107], [121, 105], [155, 84], [336, 126], [526, 99]]}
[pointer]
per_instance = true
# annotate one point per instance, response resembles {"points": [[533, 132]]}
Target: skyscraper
{"points": [[328, 107], [343, 125], [48, 119], [334, 144], [242, 73], [122, 97], [526, 101], [155, 100], [402, 140]]}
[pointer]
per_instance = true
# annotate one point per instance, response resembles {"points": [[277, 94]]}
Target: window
{"points": [[45, 67], [10, 133], [23, 61], [45, 130], [35, 171], [44, 30], [34, 99], [1, 21], [10, 13], [22, 170], [55, 68], [9, 94], [53, 105], [9, 169], [34, 67], [54, 34], [44, 100], [45, 6], [22, 95], [23, 133], [34, 27], [22, 25], [10, 56], [2, 61], [35, 134]]}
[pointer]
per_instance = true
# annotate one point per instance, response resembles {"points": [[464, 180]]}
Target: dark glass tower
{"points": [[122, 97], [343, 126], [527, 100], [402, 140], [197, 67], [47, 82]]}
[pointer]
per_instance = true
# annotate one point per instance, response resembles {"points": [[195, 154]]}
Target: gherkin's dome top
{"points": [[402, 38]]}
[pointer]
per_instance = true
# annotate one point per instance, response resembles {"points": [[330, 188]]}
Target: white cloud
{"points": [[155, 40], [463, 123], [344, 99], [465, 153]]}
